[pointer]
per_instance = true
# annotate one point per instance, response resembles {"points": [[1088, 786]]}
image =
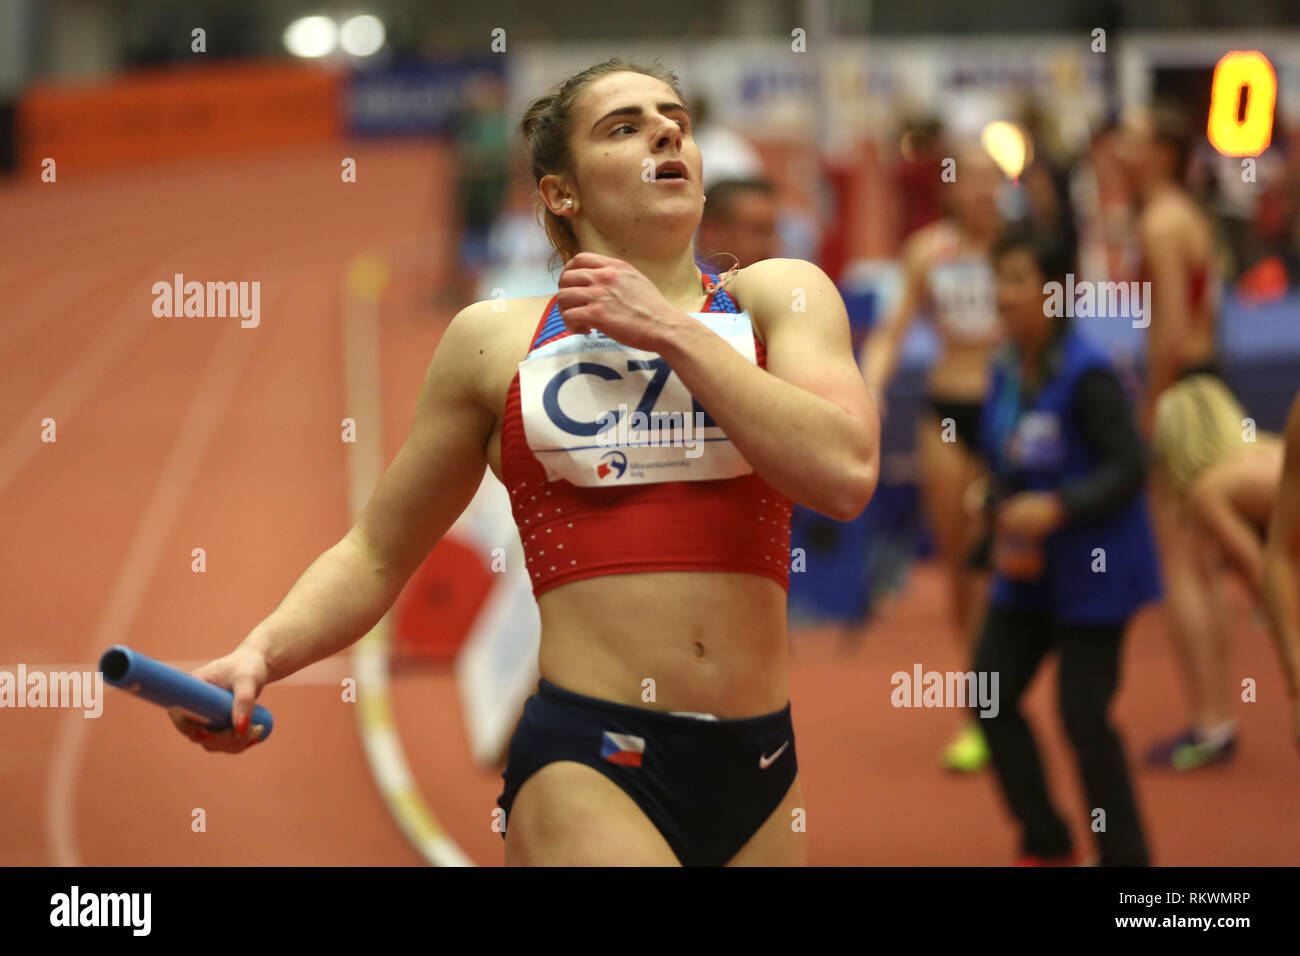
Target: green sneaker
{"points": [[968, 752], [1188, 751]]}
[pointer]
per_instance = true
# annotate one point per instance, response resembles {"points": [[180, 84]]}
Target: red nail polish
{"points": [[241, 727]]}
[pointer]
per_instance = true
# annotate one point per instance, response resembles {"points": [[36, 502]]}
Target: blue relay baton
{"points": [[166, 686]]}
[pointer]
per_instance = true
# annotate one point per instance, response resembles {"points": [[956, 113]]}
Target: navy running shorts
{"points": [[707, 785], [965, 417]]}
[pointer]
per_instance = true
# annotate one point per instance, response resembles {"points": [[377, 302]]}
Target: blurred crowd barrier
{"points": [[173, 114]]}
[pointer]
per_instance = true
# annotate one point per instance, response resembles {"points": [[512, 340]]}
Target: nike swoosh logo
{"points": [[765, 761]]}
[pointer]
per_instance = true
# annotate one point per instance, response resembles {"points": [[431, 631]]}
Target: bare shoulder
{"points": [[486, 340], [776, 289], [490, 322], [1168, 219], [780, 279]]}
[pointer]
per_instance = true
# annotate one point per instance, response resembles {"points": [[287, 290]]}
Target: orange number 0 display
{"points": [[1250, 135]]}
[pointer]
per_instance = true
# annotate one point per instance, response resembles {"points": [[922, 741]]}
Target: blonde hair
{"points": [[1198, 423]]}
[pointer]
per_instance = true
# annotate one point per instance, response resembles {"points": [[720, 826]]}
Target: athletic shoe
{"points": [[1188, 751], [968, 752]]}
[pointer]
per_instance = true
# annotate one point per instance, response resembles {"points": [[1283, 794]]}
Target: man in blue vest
{"points": [[1071, 548]]}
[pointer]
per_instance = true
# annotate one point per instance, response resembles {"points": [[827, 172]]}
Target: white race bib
{"points": [[964, 295], [599, 414]]}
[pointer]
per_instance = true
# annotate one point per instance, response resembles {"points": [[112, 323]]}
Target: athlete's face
{"points": [[975, 193], [1020, 297], [635, 160], [747, 230], [1136, 149]]}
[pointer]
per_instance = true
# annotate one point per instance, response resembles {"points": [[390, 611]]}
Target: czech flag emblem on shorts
{"points": [[624, 749]]}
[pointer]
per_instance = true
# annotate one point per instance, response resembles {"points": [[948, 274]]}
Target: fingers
{"points": [[230, 742], [571, 278], [573, 298], [223, 741], [241, 711], [243, 678], [578, 320], [190, 728], [576, 309], [589, 260], [587, 268]]}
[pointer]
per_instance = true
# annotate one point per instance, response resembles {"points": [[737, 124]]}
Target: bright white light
{"points": [[1007, 144], [362, 36], [311, 36]]}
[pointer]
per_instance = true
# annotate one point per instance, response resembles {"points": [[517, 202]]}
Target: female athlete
{"points": [[1188, 407], [661, 730]]}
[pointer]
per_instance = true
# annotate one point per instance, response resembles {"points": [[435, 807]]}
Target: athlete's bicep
{"points": [[806, 332], [440, 465]]}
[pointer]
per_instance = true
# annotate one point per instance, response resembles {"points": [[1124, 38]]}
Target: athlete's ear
{"points": [[557, 195]]}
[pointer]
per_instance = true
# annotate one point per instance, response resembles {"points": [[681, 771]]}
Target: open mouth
{"points": [[670, 171]]}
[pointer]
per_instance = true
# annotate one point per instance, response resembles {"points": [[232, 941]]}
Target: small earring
{"points": [[568, 202], [704, 197]]}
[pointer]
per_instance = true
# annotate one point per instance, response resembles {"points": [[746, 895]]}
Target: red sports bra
{"points": [[1200, 283], [570, 533]]}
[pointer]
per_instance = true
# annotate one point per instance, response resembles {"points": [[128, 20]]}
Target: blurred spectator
{"points": [[482, 144], [917, 180], [1044, 182], [727, 154], [1100, 199], [739, 220]]}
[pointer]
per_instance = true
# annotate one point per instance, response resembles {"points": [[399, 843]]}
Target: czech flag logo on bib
{"points": [[624, 749], [614, 461]]}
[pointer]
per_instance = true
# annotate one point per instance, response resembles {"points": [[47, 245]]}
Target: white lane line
{"points": [[362, 288], [202, 418], [90, 368], [54, 293], [109, 346]]}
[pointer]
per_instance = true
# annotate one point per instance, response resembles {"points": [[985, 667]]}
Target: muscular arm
{"points": [[809, 427], [879, 353], [346, 590], [1281, 575]]}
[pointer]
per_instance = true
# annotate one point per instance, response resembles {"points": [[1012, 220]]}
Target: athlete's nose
{"points": [[669, 134]]}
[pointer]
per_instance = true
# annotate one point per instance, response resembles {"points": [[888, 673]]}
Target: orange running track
{"points": [[181, 433]]}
